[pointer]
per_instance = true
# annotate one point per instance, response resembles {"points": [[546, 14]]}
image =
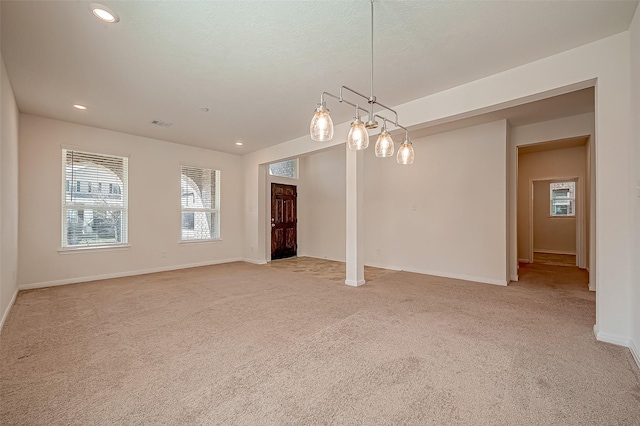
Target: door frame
{"points": [[272, 225], [581, 248]]}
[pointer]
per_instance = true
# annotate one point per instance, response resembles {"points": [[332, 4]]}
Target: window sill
{"points": [[86, 249], [210, 240], [562, 217]]}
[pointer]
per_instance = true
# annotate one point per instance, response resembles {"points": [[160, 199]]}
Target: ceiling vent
{"points": [[161, 123]]}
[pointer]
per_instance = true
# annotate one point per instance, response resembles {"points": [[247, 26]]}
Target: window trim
{"points": [[64, 249]]}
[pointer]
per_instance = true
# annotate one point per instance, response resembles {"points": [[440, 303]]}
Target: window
{"points": [[91, 218], [563, 198], [200, 201], [288, 169]]}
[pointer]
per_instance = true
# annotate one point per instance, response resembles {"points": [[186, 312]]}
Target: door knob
{"points": [[273, 225]]}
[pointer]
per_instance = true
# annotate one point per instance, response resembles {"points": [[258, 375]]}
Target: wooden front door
{"points": [[284, 221]]}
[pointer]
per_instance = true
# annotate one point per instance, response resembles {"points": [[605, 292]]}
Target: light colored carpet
{"points": [[247, 344]]}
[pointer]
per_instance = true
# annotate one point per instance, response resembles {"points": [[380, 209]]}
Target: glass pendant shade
{"points": [[358, 137], [321, 128], [384, 144], [405, 153]]}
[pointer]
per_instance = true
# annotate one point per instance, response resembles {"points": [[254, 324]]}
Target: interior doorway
{"points": [[555, 216], [284, 221], [555, 204]]}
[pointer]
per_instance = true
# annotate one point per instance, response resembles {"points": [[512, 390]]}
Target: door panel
{"points": [[284, 221]]}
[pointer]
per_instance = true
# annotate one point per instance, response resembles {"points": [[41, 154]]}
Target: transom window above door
{"points": [[287, 169]]}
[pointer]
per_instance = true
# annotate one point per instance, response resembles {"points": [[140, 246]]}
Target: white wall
{"points": [[154, 205], [557, 163], [635, 120], [445, 214], [445, 234], [322, 205], [8, 195], [552, 130]]}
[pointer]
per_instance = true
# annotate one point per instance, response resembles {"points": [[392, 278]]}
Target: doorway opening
{"points": [[555, 205], [555, 222]]}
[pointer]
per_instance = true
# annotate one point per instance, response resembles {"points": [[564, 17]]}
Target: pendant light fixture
{"points": [[384, 144], [321, 125], [321, 128], [358, 137], [405, 153]]}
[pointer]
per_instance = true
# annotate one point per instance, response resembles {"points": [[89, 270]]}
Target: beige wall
{"points": [[154, 205], [322, 204], [8, 194], [559, 163], [446, 214], [422, 218], [551, 234]]}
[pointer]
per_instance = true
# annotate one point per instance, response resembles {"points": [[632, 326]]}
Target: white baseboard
{"points": [[549, 251], [524, 261], [254, 261], [514, 277], [5, 315], [322, 258], [620, 341], [611, 338], [123, 274], [635, 352], [354, 283], [592, 287], [463, 277]]}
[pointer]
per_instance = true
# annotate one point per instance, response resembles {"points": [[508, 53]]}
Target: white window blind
{"points": [[94, 200], [200, 203]]}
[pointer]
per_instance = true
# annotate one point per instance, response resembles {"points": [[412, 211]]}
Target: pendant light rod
{"points": [[341, 99], [385, 119], [371, 116], [371, 97], [374, 101], [371, 123]]}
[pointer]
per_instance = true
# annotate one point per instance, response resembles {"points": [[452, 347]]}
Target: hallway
{"points": [[561, 277]]}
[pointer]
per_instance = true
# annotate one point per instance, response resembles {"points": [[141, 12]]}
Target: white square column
{"points": [[355, 222]]}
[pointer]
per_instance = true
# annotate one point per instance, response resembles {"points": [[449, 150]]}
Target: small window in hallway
{"points": [[563, 199]]}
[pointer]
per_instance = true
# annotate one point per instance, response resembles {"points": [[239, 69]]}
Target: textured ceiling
{"points": [[260, 66]]}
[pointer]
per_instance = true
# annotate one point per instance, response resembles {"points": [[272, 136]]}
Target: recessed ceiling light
{"points": [[104, 13], [239, 143], [80, 107]]}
